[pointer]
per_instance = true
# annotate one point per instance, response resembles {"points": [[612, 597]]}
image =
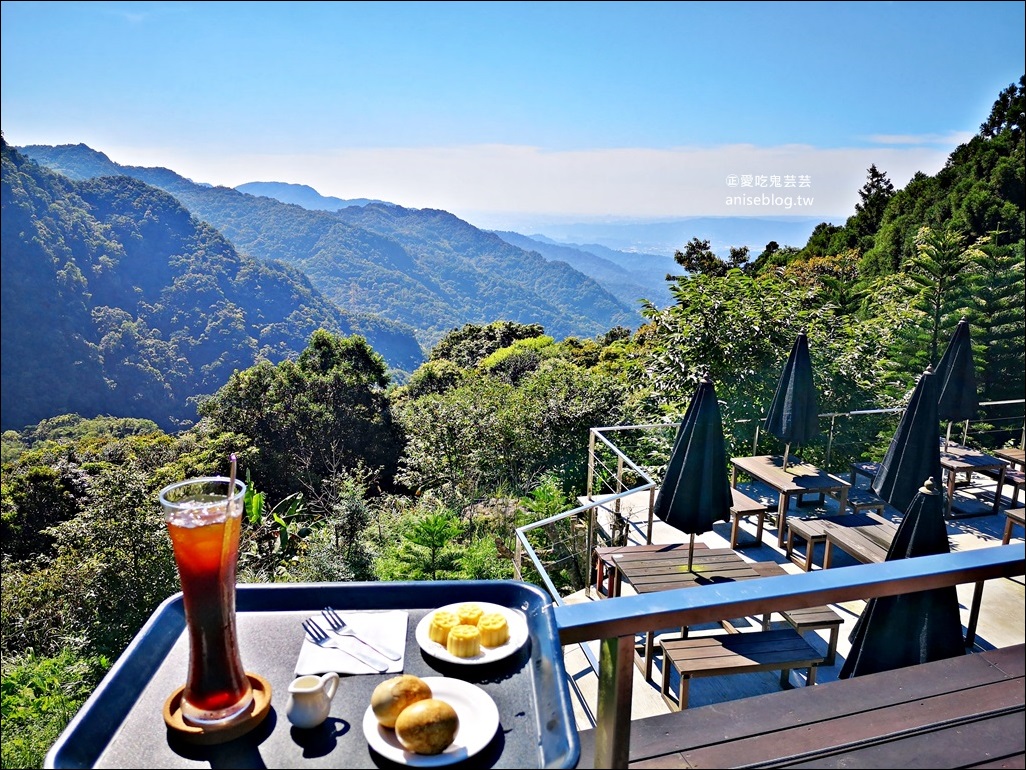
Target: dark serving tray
{"points": [[121, 724]]}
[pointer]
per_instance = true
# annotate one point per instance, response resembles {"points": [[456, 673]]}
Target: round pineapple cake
{"points": [[442, 622], [464, 641], [494, 629]]}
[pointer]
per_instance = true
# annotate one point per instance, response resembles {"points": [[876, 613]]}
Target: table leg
{"points": [[974, 616], [733, 477], [951, 494], [997, 491], [733, 529], [842, 499], [781, 519]]}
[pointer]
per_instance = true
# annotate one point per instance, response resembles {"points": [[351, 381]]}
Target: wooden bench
{"points": [[866, 543], [867, 469], [1016, 478], [860, 500], [812, 531], [741, 653], [604, 561], [743, 506], [806, 618], [1013, 516]]}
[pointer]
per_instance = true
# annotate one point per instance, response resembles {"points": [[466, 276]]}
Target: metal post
{"points": [[615, 692], [619, 481], [591, 549], [830, 441], [591, 463], [651, 512]]}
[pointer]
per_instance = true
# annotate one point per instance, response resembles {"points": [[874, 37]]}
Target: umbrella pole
{"points": [[947, 438], [691, 552], [787, 451]]}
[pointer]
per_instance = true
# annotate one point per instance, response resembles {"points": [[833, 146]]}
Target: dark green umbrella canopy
{"points": [[695, 491], [793, 416], [914, 452], [904, 630], [957, 398]]}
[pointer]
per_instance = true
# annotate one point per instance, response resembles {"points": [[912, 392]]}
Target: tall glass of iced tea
{"points": [[204, 521]]}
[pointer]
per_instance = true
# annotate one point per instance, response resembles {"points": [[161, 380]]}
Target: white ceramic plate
{"points": [[479, 719], [515, 619]]}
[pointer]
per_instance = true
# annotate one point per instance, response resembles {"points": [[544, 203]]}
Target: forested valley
{"points": [[355, 476]]}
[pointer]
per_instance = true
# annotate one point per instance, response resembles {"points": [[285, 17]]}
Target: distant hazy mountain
{"points": [[302, 195], [115, 300], [421, 267], [666, 237], [628, 277]]}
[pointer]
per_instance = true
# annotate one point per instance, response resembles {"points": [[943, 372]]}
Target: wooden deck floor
{"points": [[960, 712]]}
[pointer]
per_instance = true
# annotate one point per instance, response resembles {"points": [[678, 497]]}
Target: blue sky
{"points": [[500, 112]]}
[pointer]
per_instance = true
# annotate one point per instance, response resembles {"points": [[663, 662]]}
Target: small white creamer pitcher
{"points": [[310, 699]]}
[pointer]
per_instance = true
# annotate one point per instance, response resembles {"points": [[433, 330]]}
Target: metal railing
{"points": [[615, 622], [614, 688], [614, 476]]}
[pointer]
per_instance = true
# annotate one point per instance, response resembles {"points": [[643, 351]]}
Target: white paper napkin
{"points": [[385, 629]]}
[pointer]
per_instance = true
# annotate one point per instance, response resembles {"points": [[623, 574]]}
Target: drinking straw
{"points": [[228, 514]]}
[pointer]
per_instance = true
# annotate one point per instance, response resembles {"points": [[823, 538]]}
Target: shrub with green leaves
{"points": [[40, 695]]}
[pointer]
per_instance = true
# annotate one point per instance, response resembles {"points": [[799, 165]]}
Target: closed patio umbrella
{"points": [[956, 376], [695, 492], [914, 451], [907, 629], [793, 416]]}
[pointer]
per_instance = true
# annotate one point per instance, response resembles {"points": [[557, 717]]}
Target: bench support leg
{"points": [[785, 679], [682, 690], [832, 646]]}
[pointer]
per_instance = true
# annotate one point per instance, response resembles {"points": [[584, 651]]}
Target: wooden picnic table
{"points": [[959, 459], [799, 479], [666, 569], [1013, 455], [869, 541]]}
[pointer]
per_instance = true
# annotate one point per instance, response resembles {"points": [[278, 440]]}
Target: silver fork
{"points": [[339, 627], [320, 637]]}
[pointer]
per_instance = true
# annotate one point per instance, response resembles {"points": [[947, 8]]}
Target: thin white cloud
{"points": [[627, 182]]}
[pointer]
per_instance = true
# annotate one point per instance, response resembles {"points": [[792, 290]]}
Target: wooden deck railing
{"points": [[615, 622]]}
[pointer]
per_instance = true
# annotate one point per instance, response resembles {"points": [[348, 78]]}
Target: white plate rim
{"points": [[518, 634], [479, 720]]}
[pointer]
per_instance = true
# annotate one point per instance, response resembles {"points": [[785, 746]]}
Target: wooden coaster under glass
{"points": [[229, 730]]}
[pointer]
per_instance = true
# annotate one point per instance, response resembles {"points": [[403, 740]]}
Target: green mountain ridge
{"points": [[116, 300], [422, 267]]}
